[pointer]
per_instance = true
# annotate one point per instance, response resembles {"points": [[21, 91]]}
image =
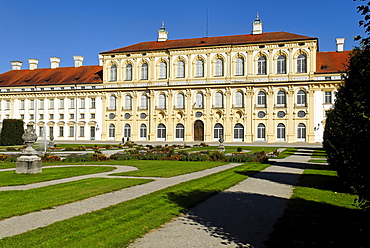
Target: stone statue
{"points": [[221, 147], [29, 162]]}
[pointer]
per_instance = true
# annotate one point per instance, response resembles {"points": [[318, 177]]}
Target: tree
{"points": [[347, 130], [11, 133]]}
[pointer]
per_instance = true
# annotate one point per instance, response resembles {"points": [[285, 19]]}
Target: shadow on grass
{"points": [[234, 217], [247, 219], [314, 224]]}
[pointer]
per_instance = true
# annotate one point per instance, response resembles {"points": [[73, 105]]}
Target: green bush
{"points": [[78, 158], [11, 132]]}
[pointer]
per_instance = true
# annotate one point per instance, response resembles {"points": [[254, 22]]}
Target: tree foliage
{"points": [[347, 130], [11, 133]]}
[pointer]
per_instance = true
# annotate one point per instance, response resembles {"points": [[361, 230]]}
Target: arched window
{"points": [[199, 68], [180, 130], [261, 132], [163, 70], [142, 131], [301, 132], [143, 102], [261, 99], [218, 131], [238, 132], [112, 102], [281, 99], [239, 67], [218, 100], [127, 130], [161, 132], [301, 98], [301, 63], [112, 131], [180, 101], [161, 101], [280, 132], [239, 103], [128, 72], [180, 69], [219, 67], [281, 64], [261, 65], [144, 71], [128, 102], [199, 100], [113, 73]]}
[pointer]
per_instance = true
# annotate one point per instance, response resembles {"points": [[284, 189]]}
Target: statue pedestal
{"points": [[28, 165], [221, 148]]}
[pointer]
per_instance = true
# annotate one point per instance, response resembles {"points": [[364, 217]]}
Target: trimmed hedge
{"points": [[11, 132]]}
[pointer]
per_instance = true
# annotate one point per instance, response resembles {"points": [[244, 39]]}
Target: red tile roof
{"points": [[59, 76], [331, 62], [211, 41]]}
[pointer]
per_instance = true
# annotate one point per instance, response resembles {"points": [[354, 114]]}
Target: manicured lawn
{"points": [[287, 152], [10, 178], [320, 214], [165, 168], [318, 160], [231, 149], [5, 165], [20, 202], [319, 153], [118, 225]]}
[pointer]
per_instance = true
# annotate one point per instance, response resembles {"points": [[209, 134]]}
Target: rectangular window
{"points": [[92, 101], [32, 104], [61, 131], [42, 103], [31, 117], [51, 116], [71, 103], [71, 116], [21, 104], [61, 116], [82, 131], [51, 132], [7, 104], [328, 97], [71, 131], [41, 116], [92, 116], [22, 117], [41, 131], [82, 116], [61, 103], [51, 103], [82, 103]]}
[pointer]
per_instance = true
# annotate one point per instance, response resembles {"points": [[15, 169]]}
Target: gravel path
{"points": [[242, 216], [19, 224]]}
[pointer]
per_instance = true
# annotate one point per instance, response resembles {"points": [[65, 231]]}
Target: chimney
{"points": [[101, 60], [78, 60], [33, 63], [54, 61], [16, 65], [340, 44], [162, 34]]}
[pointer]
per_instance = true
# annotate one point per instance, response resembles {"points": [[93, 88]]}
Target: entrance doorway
{"points": [[198, 130]]}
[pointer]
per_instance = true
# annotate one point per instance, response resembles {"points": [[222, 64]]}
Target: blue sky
{"points": [[42, 29]]}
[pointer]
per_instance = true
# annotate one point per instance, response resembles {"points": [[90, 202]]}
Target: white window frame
{"points": [[239, 66]]}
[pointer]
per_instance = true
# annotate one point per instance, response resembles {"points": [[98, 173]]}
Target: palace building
{"points": [[258, 87]]}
